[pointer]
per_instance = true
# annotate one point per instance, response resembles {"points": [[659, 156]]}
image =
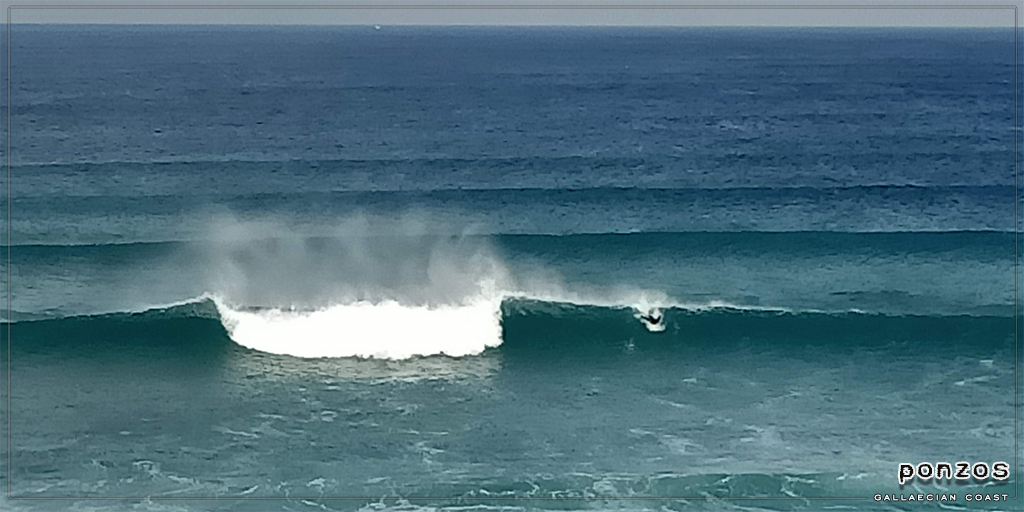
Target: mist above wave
{"points": [[364, 259]]}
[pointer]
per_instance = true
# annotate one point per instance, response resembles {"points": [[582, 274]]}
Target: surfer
{"points": [[652, 318]]}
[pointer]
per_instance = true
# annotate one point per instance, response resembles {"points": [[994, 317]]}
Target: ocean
{"points": [[347, 268]]}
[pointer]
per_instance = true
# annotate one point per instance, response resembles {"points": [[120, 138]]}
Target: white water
{"points": [[386, 330]]}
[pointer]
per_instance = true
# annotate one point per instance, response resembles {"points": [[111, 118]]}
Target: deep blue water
{"points": [[297, 263]]}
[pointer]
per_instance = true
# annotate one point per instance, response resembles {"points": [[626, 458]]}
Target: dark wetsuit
{"points": [[653, 320]]}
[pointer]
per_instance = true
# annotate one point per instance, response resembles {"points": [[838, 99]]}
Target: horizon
{"points": [[836, 14], [497, 26]]}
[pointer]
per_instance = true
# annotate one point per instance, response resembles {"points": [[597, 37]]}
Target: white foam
{"points": [[385, 330]]}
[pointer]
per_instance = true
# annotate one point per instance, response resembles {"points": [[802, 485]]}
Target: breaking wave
{"points": [[531, 328]]}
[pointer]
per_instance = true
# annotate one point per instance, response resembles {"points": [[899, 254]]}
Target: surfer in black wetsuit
{"points": [[653, 318]]}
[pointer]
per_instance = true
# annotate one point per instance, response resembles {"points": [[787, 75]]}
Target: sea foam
{"points": [[385, 330]]}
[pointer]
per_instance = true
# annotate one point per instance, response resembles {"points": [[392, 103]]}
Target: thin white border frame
{"points": [[1016, 201]]}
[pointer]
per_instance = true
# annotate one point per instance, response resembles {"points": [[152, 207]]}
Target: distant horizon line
{"points": [[499, 25], [854, 14]]}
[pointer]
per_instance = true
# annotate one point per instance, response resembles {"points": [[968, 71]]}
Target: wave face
{"points": [[513, 326]]}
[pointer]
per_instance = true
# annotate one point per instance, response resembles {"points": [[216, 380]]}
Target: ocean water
{"points": [[406, 267]]}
